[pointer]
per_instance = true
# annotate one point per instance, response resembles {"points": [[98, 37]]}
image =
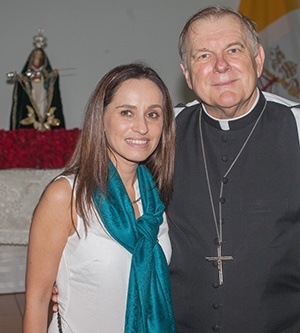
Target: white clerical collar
{"points": [[224, 123]]}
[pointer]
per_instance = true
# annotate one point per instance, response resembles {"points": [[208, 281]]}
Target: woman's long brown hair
{"points": [[89, 162]]}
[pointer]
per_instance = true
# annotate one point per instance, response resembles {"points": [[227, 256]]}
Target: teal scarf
{"points": [[149, 306]]}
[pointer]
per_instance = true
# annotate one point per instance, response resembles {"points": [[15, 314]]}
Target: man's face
{"points": [[221, 67]]}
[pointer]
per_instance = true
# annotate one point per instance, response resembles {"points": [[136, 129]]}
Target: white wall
{"points": [[92, 36]]}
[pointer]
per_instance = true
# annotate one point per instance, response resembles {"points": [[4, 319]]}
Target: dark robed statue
{"points": [[36, 96]]}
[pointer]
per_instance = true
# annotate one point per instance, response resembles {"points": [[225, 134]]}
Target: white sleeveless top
{"points": [[93, 277]]}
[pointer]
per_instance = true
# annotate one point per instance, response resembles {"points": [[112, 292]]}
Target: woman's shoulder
{"points": [[58, 191], [53, 212]]}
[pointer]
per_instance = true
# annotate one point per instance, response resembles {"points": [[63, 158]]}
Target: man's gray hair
{"points": [[218, 12]]}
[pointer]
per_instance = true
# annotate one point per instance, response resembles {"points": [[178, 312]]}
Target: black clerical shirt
{"points": [[260, 221]]}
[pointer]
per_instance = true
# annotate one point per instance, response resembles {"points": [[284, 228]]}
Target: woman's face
{"points": [[133, 121]]}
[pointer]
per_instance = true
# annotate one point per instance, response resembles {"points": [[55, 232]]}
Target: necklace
{"points": [[136, 200], [219, 258]]}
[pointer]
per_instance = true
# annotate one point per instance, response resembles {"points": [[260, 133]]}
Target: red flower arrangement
{"points": [[29, 148]]}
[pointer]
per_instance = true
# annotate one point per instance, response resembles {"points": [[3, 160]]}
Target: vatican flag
{"points": [[278, 24]]}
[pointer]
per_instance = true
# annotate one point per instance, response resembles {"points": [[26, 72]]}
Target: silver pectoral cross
{"points": [[219, 260]]}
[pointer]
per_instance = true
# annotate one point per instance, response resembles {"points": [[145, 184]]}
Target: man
{"points": [[235, 212]]}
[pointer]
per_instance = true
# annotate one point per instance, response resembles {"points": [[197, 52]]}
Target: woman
{"points": [[99, 229]]}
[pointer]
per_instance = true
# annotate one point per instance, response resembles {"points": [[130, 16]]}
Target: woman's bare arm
{"points": [[50, 229]]}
